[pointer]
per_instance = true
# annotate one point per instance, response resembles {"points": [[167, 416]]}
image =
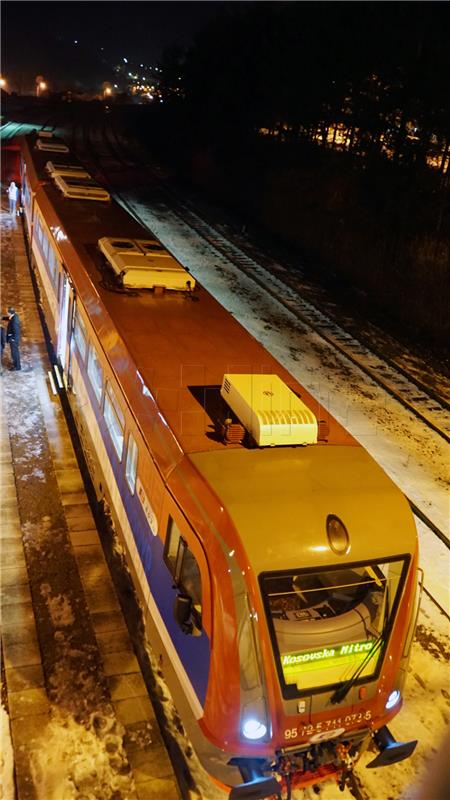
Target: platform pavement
{"points": [[68, 659]]}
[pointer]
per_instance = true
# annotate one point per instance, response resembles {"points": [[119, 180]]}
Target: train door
{"points": [[64, 306]]}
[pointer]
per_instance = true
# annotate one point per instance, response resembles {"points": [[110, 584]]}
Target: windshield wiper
{"points": [[344, 689]]}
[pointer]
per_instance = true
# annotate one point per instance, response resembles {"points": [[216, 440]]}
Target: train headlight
{"points": [[254, 729], [393, 699]]}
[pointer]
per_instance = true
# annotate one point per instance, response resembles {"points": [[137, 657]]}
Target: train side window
{"points": [[183, 565], [45, 246], [131, 465], [26, 191], [115, 420], [38, 231], [52, 265], [95, 373], [80, 336]]}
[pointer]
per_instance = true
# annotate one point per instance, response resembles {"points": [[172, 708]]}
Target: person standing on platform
{"points": [[13, 336], [3, 343], [13, 195]]}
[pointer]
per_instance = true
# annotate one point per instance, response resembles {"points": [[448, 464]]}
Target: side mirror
{"points": [[182, 612]]}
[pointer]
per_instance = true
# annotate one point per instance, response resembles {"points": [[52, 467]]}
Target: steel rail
{"points": [[423, 518], [435, 602]]}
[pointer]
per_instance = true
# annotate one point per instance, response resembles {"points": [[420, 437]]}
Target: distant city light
{"points": [[126, 60], [2, 83], [75, 41]]}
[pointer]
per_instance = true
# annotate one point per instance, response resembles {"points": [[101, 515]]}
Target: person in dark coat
{"points": [[3, 343], [13, 337]]}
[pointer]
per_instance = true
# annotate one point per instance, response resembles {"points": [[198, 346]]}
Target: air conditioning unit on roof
{"points": [[51, 146], [269, 410], [79, 188], [145, 264], [66, 169]]}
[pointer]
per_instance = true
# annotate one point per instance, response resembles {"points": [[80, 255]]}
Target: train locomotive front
{"points": [[325, 601]]}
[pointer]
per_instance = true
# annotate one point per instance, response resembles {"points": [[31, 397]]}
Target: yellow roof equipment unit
{"points": [[78, 188], [269, 410], [145, 264], [72, 170], [49, 146]]}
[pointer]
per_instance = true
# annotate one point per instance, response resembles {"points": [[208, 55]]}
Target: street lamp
{"points": [[41, 85], [107, 90], [2, 82]]}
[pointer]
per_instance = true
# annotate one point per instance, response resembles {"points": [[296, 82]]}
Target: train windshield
{"points": [[331, 625]]}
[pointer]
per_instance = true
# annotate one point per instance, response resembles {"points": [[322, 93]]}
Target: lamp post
{"points": [[41, 85], [107, 90]]}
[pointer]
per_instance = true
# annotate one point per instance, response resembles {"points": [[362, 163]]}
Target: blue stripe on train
{"points": [[194, 651]]}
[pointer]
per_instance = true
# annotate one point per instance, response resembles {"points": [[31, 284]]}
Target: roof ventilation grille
{"points": [[145, 264], [51, 146], [269, 410], [80, 188], [72, 170]]}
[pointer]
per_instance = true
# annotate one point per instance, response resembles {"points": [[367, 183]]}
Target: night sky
{"points": [[40, 38]]}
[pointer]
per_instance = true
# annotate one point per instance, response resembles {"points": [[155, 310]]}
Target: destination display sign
{"points": [[325, 657]]}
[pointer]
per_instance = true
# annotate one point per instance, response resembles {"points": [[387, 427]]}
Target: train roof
{"points": [[181, 344]]}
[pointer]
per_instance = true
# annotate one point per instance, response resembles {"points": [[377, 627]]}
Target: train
{"points": [[275, 561]]}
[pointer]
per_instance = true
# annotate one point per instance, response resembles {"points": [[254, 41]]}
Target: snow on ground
{"points": [[73, 761], [7, 791], [415, 458]]}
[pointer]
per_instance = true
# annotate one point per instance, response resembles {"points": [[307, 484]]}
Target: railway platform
{"points": [[81, 722]]}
